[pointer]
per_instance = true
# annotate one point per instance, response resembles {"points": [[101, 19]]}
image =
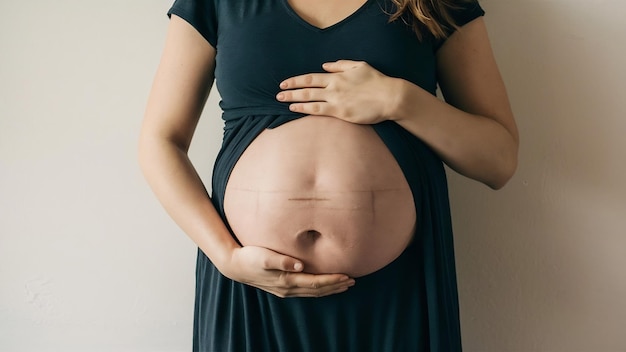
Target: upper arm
{"points": [[469, 77], [181, 86]]}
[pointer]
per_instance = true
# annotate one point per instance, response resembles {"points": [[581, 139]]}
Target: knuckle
{"points": [[281, 280], [284, 280], [283, 262], [265, 263]]}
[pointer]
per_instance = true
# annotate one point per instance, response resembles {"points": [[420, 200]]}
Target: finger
{"points": [[320, 291], [310, 80], [313, 108], [282, 263], [341, 65], [307, 285], [316, 281], [302, 292], [313, 294], [304, 95]]}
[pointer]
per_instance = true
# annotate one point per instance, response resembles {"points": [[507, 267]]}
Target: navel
{"points": [[308, 237]]}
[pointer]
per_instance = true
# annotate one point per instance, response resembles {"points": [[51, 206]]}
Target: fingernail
{"points": [[297, 266], [351, 283], [283, 84], [280, 96]]}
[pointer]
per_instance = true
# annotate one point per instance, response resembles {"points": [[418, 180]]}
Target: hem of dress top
{"points": [[251, 111]]}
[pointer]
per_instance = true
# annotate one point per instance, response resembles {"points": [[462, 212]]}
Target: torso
{"points": [[259, 44], [325, 191], [319, 189]]}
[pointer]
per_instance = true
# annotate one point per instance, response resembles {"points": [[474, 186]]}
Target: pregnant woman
{"points": [[328, 227]]}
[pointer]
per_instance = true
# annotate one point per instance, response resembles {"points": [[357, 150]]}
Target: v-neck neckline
{"points": [[305, 23]]}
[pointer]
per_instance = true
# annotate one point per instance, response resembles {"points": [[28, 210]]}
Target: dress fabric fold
{"points": [[409, 305]]}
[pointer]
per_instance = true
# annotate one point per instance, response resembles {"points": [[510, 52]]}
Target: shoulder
{"points": [[469, 77], [460, 12], [464, 11], [201, 14]]}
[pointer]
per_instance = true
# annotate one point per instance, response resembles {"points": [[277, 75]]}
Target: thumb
{"points": [[284, 263], [340, 65]]}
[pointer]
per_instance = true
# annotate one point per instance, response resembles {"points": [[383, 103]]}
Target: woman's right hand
{"points": [[281, 275], [180, 89]]}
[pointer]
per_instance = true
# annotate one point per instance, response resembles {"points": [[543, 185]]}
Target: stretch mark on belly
{"points": [[310, 199]]}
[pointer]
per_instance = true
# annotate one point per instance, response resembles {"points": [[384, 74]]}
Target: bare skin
{"points": [[474, 133], [325, 191], [179, 91]]}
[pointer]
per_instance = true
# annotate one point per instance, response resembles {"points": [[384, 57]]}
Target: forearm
{"points": [[178, 187], [475, 146]]}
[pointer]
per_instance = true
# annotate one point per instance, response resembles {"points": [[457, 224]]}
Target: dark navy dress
{"points": [[410, 304]]}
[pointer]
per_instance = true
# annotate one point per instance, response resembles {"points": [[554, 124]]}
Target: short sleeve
{"points": [[201, 14], [465, 13]]}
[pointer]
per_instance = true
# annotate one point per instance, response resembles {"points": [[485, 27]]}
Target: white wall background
{"points": [[90, 262], [542, 263]]}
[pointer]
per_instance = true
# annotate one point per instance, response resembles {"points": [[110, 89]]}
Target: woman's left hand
{"points": [[351, 90]]}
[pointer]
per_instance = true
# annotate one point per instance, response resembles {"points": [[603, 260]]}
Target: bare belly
{"points": [[324, 191]]}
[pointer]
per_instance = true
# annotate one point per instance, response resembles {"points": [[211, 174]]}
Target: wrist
{"points": [[225, 263], [395, 99], [220, 252]]}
